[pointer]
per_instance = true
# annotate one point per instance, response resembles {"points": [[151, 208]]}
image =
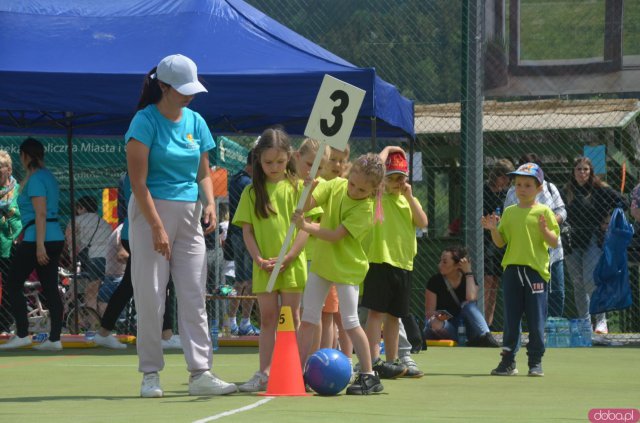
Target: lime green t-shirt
{"points": [[520, 229], [393, 241], [344, 261], [271, 232], [316, 215]]}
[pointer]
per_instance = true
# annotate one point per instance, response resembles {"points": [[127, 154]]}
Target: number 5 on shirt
{"points": [[331, 121]]}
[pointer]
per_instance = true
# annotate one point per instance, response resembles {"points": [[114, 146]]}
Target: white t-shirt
{"points": [[113, 267], [228, 266], [85, 226]]}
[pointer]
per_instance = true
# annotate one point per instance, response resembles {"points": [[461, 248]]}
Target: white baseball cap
{"points": [[181, 73]]}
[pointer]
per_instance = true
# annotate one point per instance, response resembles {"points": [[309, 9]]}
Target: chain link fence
{"points": [[555, 79], [558, 79]]}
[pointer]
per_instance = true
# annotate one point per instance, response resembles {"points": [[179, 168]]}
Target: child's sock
{"points": [[245, 322]]}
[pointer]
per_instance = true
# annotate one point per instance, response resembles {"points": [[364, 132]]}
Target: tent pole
{"points": [[72, 201]]}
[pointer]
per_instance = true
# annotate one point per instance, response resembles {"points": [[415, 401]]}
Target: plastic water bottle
{"points": [[563, 333], [585, 332], [462, 335], [498, 211], [576, 336], [382, 347], [551, 333], [214, 334]]}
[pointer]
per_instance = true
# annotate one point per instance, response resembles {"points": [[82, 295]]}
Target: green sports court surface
{"points": [[98, 385]]}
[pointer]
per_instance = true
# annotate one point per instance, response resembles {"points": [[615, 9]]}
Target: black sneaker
{"points": [[536, 370], [388, 370], [505, 369], [365, 384], [485, 341]]}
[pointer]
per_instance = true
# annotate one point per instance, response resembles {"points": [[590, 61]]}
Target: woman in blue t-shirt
{"points": [[40, 244], [168, 165]]}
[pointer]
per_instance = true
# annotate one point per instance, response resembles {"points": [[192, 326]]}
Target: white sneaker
{"points": [[258, 382], [16, 342], [48, 346], [412, 367], [172, 343], [208, 384], [109, 341], [150, 387], [601, 327]]}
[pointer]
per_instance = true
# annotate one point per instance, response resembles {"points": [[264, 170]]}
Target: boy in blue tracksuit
{"points": [[528, 229]]}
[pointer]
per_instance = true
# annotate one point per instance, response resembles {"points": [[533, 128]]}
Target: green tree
{"points": [[413, 44]]}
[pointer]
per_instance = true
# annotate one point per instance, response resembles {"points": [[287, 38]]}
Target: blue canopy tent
{"points": [[81, 63], [76, 67]]}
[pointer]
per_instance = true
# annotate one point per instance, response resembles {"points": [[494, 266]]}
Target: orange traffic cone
{"points": [[285, 378]]}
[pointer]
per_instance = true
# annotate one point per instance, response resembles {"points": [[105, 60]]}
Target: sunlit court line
{"points": [[33, 361], [232, 412], [102, 365]]}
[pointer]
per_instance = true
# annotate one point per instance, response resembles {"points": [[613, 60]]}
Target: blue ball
{"points": [[327, 371]]}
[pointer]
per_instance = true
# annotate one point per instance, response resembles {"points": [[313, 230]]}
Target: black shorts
{"points": [[387, 289], [493, 260]]}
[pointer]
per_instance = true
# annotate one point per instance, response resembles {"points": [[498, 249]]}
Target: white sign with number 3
{"points": [[334, 112], [332, 118]]}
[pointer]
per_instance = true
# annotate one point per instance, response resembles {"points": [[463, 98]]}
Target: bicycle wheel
{"points": [[88, 320]]}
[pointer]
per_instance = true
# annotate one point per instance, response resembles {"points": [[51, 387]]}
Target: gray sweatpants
{"points": [[150, 274]]}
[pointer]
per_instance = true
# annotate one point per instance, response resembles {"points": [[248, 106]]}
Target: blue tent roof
{"points": [[89, 56]]}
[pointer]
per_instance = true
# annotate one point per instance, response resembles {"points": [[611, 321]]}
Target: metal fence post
{"points": [[471, 137]]}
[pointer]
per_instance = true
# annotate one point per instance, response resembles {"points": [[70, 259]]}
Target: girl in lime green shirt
{"points": [[340, 259], [264, 213]]}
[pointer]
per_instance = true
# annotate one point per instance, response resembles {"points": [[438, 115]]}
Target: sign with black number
{"points": [[334, 112], [331, 122]]}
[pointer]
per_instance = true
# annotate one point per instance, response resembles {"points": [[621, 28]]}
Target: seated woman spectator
{"points": [[92, 232], [455, 291]]}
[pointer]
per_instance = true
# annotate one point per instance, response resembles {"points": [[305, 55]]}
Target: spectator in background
{"points": [[116, 262], [241, 258], [495, 192], [589, 200], [220, 267], [549, 196], [454, 290], [39, 246], [228, 267], [634, 209], [92, 232], [10, 227]]}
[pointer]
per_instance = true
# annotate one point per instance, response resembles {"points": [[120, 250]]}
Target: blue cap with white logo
{"points": [[530, 169]]}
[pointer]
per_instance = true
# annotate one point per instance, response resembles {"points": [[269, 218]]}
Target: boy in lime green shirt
{"points": [[392, 247], [528, 229]]}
